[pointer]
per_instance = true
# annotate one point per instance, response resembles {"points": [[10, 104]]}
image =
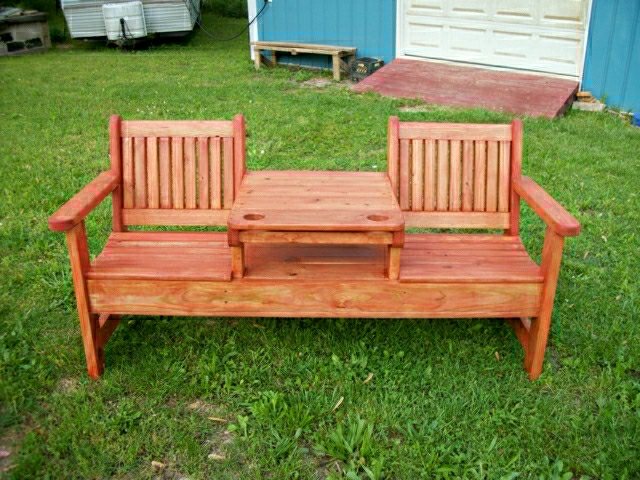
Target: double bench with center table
{"points": [[315, 244]]}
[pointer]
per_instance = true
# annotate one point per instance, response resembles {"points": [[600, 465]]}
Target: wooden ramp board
{"points": [[472, 87]]}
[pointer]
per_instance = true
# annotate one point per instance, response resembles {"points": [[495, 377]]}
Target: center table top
{"points": [[316, 201]]}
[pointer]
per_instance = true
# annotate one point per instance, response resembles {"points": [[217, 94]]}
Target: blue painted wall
{"points": [[612, 63], [369, 25]]}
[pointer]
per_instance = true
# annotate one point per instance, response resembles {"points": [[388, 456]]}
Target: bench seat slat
{"points": [[164, 256], [466, 259]]}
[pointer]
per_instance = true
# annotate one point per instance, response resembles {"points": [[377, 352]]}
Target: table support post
{"points": [[237, 261], [393, 267]]}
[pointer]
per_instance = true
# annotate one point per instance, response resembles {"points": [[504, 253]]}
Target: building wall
{"points": [[612, 61], [369, 25]]}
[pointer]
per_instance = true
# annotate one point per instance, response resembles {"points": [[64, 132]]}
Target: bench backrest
{"points": [[450, 175], [176, 172]]}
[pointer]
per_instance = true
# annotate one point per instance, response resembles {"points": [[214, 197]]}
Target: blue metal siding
{"points": [[612, 63], [369, 25]]}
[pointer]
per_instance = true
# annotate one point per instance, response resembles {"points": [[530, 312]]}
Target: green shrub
{"points": [[41, 5]]}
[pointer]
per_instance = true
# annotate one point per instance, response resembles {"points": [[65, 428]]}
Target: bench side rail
{"points": [[176, 172], [449, 175]]}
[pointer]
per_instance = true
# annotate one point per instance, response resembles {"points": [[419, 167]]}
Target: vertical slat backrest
{"points": [[177, 172], [448, 175]]}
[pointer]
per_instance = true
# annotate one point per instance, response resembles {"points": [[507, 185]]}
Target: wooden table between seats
{"points": [[306, 207]]}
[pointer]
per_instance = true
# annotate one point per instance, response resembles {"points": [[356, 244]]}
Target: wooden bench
{"points": [[450, 176], [337, 53]]}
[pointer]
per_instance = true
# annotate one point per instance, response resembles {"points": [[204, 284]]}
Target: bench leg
{"points": [[540, 326], [89, 322], [336, 67], [256, 58]]}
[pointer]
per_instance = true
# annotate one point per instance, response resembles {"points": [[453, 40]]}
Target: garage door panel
{"points": [[467, 41], [558, 50], [427, 38], [520, 34], [565, 13], [426, 6], [512, 45], [515, 11], [469, 8]]}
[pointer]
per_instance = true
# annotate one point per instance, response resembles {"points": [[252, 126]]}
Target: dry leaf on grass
{"points": [[218, 419]]}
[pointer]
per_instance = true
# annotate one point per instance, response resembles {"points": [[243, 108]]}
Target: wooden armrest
{"points": [[553, 214], [76, 209]]}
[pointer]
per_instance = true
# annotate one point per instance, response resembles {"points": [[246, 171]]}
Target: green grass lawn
{"points": [[245, 398]]}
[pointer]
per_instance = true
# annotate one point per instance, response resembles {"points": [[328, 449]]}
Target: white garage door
{"points": [[539, 35]]}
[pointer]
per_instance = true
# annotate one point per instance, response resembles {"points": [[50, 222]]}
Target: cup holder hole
{"points": [[253, 216], [377, 218]]}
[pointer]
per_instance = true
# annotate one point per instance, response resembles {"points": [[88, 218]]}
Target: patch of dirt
{"points": [[415, 108], [319, 82], [67, 385], [9, 441], [206, 408], [323, 465], [554, 357]]}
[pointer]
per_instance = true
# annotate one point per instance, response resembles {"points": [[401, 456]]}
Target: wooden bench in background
{"points": [[448, 176], [338, 54]]}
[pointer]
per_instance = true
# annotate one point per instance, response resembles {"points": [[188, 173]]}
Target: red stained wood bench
{"points": [[333, 245]]}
